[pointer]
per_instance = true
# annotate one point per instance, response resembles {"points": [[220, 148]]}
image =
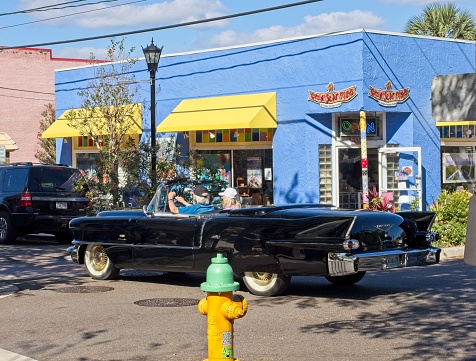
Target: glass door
{"points": [[350, 176], [400, 176]]}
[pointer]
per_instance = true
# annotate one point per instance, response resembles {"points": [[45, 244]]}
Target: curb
{"points": [[6, 355], [452, 252], [7, 289]]}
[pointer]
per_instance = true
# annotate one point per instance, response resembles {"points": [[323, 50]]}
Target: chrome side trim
{"points": [[341, 264], [132, 245]]}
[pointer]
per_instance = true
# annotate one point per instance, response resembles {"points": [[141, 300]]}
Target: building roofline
{"points": [[50, 52], [297, 38]]}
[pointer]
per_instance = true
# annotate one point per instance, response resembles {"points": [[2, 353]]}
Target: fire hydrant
{"points": [[222, 308]]}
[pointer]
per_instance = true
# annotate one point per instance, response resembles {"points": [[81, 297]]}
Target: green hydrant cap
{"points": [[219, 276]]}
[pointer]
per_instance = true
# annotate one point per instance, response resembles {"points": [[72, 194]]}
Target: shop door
{"points": [[350, 176], [400, 176]]}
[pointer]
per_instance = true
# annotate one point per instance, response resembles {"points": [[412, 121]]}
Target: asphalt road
{"points": [[59, 313]]}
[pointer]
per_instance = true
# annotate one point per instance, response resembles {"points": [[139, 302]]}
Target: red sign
{"points": [[331, 98], [389, 97]]}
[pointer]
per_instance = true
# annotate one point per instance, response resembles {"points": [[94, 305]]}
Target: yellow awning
{"points": [[61, 127], [227, 112], [461, 122]]}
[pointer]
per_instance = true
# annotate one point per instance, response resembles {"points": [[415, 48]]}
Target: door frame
{"points": [[383, 179]]}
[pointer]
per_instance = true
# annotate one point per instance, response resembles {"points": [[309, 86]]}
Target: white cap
{"points": [[229, 192]]}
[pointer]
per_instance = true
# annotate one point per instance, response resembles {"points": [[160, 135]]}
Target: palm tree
{"points": [[443, 20]]}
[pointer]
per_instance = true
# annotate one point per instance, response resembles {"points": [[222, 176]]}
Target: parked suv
{"points": [[38, 198]]}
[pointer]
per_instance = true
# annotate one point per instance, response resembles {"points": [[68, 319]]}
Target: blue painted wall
{"points": [[293, 67]]}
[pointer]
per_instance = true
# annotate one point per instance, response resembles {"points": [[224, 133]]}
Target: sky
{"points": [[34, 23]]}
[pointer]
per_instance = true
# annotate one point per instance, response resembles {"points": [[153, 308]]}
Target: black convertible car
{"points": [[265, 245]]}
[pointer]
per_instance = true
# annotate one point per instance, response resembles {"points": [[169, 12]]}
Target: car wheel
{"points": [[266, 284], [346, 280], [7, 232], [98, 264]]}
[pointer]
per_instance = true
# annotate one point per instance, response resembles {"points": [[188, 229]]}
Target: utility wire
{"points": [[52, 7], [27, 91], [189, 23], [75, 6], [78, 13], [27, 98]]}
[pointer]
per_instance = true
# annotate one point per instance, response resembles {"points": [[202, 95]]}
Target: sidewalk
{"points": [[11, 356], [5, 291]]}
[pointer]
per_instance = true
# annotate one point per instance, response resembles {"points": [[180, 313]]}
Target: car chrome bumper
{"points": [[341, 264], [73, 252]]}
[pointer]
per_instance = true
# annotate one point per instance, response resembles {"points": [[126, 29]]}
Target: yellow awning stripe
{"points": [[227, 112], [461, 122], [61, 127]]}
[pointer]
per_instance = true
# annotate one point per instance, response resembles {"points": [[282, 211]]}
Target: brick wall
{"points": [[26, 86]]}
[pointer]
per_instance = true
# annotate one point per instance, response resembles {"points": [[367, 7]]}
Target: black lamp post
{"points": [[152, 56]]}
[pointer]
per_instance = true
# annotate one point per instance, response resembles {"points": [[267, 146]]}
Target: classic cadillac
{"points": [[265, 245]]}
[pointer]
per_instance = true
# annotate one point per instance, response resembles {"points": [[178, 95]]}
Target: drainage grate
{"points": [[355, 324], [84, 289], [167, 302], [140, 273]]}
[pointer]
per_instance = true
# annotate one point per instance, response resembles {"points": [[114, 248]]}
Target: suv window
{"points": [[52, 179], [15, 180]]}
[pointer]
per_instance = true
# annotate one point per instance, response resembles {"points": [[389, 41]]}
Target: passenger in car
{"points": [[200, 204], [229, 199]]}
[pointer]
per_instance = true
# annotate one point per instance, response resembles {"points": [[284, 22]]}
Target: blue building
{"points": [[284, 117]]}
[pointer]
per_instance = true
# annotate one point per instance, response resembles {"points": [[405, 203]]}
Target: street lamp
{"points": [[152, 56]]}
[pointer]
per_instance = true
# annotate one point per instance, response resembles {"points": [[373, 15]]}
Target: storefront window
{"points": [[87, 162], [250, 171], [457, 131], [253, 175], [234, 135], [458, 166], [325, 174]]}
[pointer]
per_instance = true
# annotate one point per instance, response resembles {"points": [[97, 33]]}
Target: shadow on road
{"points": [[431, 309]]}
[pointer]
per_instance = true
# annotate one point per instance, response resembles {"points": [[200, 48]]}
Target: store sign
{"points": [[350, 127], [332, 98], [388, 97]]}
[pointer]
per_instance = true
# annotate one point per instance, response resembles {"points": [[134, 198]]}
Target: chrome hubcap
{"points": [[98, 258]]}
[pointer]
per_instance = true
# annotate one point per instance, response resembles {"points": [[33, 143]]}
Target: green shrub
{"points": [[452, 216]]}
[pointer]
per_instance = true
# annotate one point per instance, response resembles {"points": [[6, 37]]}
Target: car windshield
{"points": [[184, 189], [52, 179], [159, 200]]}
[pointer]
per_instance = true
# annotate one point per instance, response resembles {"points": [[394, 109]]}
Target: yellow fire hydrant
{"points": [[222, 308]]}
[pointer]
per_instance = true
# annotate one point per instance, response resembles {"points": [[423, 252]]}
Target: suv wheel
{"points": [[7, 233]]}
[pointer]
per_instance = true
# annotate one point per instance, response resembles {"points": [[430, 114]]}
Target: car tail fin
{"points": [[423, 220]]}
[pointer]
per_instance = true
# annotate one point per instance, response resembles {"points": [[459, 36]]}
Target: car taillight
{"points": [[351, 244], [25, 200], [432, 237]]}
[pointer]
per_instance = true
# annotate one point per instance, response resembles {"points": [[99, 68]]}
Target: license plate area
{"points": [[393, 261], [61, 205]]}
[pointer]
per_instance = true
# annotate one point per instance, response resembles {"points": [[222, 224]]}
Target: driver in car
{"points": [[201, 202]]}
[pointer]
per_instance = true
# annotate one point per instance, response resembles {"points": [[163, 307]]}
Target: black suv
{"points": [[38, 198]]}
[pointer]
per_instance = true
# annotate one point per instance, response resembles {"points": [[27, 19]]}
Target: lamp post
{"points": [[152, 56]]}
